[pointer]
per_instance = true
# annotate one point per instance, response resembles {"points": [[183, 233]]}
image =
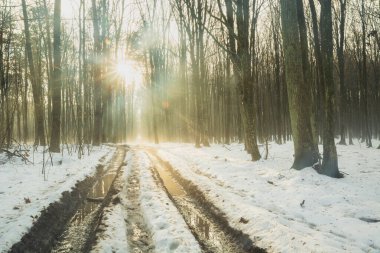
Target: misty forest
{"points": [[189, 125]]}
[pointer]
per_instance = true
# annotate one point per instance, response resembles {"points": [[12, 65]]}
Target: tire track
{"points": [[207, 223], [138, 234], [80, 232]]}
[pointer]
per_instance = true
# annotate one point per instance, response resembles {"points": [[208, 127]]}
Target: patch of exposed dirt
{"points": [[52, 220]]}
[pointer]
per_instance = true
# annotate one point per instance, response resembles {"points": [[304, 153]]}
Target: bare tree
{"points": [[305, 150], [36, 87], [55, 139], [97, 79], [330, 157]]}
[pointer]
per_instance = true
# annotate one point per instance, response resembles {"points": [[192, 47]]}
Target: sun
{"points": [[130, 72], [123, 69]]}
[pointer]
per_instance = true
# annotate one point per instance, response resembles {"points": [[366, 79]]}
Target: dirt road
{"points": [[76, 223]]}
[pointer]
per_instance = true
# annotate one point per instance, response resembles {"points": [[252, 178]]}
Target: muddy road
{"points": [[73, 224]]}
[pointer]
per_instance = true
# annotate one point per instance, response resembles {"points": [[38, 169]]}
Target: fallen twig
{"points": [[226, 147], [17, 153]]}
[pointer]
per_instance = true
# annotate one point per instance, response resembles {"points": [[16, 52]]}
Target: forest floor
{"points": [[284, 210], [176, 198]]}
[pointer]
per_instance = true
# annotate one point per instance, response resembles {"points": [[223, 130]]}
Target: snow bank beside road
{"points": [[24, 192], [269, 196]]}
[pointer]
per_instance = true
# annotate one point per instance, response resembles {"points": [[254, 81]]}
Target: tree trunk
{"points": [[330, 158], [25, 102], [306, 70], [55, 140], [50, 63], [341, 63], [305, 150], [245, 85], [36, 88], [97, 81], [367, 127], [319, 90]]}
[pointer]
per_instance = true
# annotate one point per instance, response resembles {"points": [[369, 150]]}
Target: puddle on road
{"points": [[98, 191], [171, 185], [79, 228], [209, 233]]}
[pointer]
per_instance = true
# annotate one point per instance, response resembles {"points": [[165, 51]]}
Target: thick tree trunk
{"points": [[55, 140], [245, 85], [306, 69], [305, 150], [36, 88], [330, 158], [319, 90]]}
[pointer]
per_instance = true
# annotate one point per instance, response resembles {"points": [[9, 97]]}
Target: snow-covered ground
{"points": [[24, 191], [289, 210], [286, 210], [114, 238]]}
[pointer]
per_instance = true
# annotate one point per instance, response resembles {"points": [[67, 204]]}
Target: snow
{"points": [[286, 210], [24, 192], [170, 232], [269, 195], [114, 238]]}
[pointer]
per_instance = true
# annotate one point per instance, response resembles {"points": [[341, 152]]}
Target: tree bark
{"points": [[365, 95], [97, 80], [36, 88], [306, 70], [242, 69], [341, 65], [55, 140], [330, 158], [305, 150], [319, 90]]}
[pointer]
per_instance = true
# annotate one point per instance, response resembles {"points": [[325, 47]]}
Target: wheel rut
{"points": [[78, 229], [69, 225], [138, 234], [207, 223], [79, 233]]}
